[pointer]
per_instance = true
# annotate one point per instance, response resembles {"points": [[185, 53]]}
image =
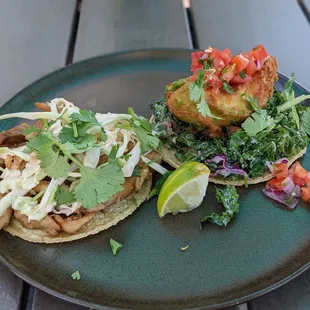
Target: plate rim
{"points": [[78, 301]]}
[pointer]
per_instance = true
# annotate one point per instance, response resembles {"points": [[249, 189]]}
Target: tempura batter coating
{"points": [[232, 108]]}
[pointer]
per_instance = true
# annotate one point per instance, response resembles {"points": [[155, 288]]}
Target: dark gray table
{"points": [[39, 36]]}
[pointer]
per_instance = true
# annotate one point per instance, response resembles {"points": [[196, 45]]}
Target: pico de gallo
{"points": [[288, 184], [224, 67]]}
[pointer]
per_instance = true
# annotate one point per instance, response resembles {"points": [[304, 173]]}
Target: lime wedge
{"points": [[184, 189]]}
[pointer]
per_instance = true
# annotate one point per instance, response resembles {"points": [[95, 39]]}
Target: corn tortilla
{"points": [[169, 157], [102, 220]]}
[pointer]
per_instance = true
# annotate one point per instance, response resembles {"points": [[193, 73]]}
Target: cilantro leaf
{"points": [[257, 122], [140, 121], [229, 198], [85, 143], [115, 246], [208, 64], [76, 275], [66, 135], [98, 185], [289, 94], [194, 92], [288, 91], [252, 102], [199, 78], [227, 87], [143, 130], [84, 116], [81, 122], [147, 140], [30, 129], [242, 74], [37, 142], [204, 109], [306, 120], [53, 161], [62, 196]]}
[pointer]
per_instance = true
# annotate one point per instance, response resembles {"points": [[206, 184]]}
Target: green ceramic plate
{"points": [[264, 247]]}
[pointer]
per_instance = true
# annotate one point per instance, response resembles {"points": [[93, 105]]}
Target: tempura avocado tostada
{"points": [[228, 115]]}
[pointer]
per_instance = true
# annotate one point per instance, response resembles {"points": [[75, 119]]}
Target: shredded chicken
{"points": [[145, 174], [5, 218], [14, 162], [42, 106], [102, 159], [48, 224], [73, 223], [14, 136]]}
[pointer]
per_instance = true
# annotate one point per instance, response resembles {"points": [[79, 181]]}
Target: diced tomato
{"points": [[215, 82], [196, 63], [280, 171], [250, 68], [229, 72], [305, 193], [299, 174], [277, 184], [237, 79], [216, 54], [227, 76], [218, 65], [247, 55], [259, 52], [240, 62], [226, 56]]}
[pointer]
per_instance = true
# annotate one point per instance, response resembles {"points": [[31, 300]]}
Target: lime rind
{"points": [[184, 190]]}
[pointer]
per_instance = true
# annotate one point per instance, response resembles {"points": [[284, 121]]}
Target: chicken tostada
{"points": [[73, 173], [228, 115]]}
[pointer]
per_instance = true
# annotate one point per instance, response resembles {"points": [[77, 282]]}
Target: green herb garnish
{"points": [[227, 87], [63, 196], [228, 197], [76, 275], [252, 102], [196, 94], [115, 246], [242, 74]]}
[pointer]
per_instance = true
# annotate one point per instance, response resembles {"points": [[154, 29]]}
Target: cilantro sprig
{"points": [[76, 275], [143, 130], [196, 94], [96, 185], [252, 102], [115, 246]]}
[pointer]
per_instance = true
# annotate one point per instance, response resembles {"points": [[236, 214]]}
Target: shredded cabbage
{"points": [[133, 160], [65, 209], [29, 207], [5, 151], [21, 190], [56, 128], [91, 158], [126, 138], [32, 115], [108, 118], [157, 167]]}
